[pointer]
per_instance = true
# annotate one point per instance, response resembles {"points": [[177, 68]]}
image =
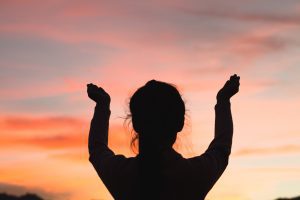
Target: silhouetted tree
{"points": [[295, 198], [28, 196]]}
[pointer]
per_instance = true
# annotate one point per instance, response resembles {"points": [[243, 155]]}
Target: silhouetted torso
{"points": [[170, 177]]}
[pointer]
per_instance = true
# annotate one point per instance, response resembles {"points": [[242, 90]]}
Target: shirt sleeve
{"points": [[214, 161], [103, 159], [220, 147], [98, 135]]}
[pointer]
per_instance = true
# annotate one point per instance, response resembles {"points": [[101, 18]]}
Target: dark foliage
{"points": [[295, 198], [28, 196]]}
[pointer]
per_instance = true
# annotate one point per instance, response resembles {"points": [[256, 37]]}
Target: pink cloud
{"points": [[82, 10], [53, 87], [242, 14], [260, 41]]}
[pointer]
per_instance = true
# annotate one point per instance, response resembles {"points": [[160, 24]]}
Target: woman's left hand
{"points": [[98, 94]]}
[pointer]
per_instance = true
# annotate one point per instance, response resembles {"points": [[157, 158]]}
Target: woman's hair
{"points": [[157, 112]]}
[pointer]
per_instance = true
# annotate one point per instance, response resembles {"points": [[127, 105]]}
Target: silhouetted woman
{"points": [[158, 171]]}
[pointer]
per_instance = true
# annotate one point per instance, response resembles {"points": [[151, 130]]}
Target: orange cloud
{"points": [[52, 133], [270, 150], [14, 123], [73, 155], [59, 137]]}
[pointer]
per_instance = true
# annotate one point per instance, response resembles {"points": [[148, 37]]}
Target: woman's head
{"points": [[157, 112]]}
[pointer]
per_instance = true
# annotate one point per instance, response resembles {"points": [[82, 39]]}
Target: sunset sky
{"points": [[50, 50]]}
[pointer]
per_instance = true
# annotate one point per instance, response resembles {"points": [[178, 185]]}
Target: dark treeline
{"points": [[295, 198], [28, 196]]}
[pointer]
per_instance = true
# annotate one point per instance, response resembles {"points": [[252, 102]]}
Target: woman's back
{"points": [[159, 172], [177, 178]]}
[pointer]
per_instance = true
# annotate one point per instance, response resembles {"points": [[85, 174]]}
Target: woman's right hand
{"points": [[98, 94], [230, 88]]}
